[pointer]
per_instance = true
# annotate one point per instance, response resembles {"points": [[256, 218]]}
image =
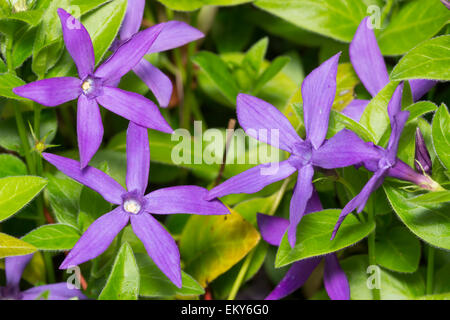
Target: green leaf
{"points": [[346, 81], [375, 117], [393, 286], [155, 284], [441, 135], [11, 166], [93, 204], [419, 109], [191, 5], [9, 82], [431, 222], [337, 19], [339, 121], [217, 71], [429, 60], [16, 192], [415, 22], [123, 282], [271, 71], [398, 250], [31, 17], [211, 245], [23, 47], [314, 233], [254, 57], [10, 246], [58, 237], [431, 198]]}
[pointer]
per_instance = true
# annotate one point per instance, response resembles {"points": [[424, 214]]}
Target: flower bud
{"points": [[422, 156]]}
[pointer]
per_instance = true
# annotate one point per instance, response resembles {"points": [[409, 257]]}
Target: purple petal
{"points": [[314, 203], [97, 238], [343, 150], [355, 109], [422, 156], [404, 172], [302, 193], [335, 280], [419, 87], [128, 54], [138, 158], [359, 202], [253, 180], [134, 107], [294, 278], [89, 129], [133, 19], [261, 121], [272, 228], [446, 3], [159, 84], [57, 291], [175, 34], [159, 244], [318, 92], [395, 104], [78, 43], [367, 60], [14, 267], [91, 177], [51, 92], [397, 129], [183, 199]]}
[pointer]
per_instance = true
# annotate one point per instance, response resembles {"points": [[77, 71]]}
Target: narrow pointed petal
{"points": [[128, 54], [89, 129], [318, 92], [138, 158], [183, 199], [91, 177], [51, 92], [359, 202], [272, 228], [355, 109], [175, 34], [294, 278], [314, 203], [419, 87], [133, 19], [253, 180], [134, 107], [97, 238], [157, 81], [302, 193], [14, 267], [78, 43], [343, 150], [56, 291], [367, 59], [264, 122], [160, 246], [397, 128], [336, 282], [395, 104]]}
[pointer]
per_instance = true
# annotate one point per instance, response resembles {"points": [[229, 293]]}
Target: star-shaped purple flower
{"points": [[174, 34], [135, 206], [98, 87], [342, 150], [370, 67], [336, 284], [14, 267]]}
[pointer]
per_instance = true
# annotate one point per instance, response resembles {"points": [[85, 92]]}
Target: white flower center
{"points": [[132, 206], [86, 86]]}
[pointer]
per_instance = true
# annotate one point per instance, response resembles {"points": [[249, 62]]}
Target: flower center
{"points": [[385, 163], [132, 206], [301, 154], [86, 86], [92, 87]]}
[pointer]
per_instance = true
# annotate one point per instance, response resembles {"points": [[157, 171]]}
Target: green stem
{"points": [[430, 270], [386, 10], [24, 139], [9, 61], [371, 242], [240, 278], [49, 267]]}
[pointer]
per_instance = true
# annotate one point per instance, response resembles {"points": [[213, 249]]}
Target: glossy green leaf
{"points": [[271, 71], [123, 281], [58, 237], [429, 60], [16, 192], [191, 5], [314, 233], [431, 222], [10, 246], [7, 83], [441, 135], [431, 198], [419, 109], [11, 166]]}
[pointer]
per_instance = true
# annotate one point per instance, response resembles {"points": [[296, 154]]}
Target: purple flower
{"points": [[422, 156], [97, 87], [446, 3], [342, 150], [14, 267], [336, 284], [369, 65], [174, 34], [135, 206]]}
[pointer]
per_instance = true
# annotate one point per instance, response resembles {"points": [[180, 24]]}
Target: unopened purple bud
{"points": [[446, 3], [404, 172], [422, 156]]}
